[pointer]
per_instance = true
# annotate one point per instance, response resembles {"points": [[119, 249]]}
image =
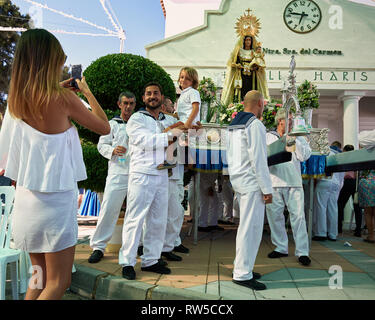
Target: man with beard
{"points": [[147, 201], [113, 147]]}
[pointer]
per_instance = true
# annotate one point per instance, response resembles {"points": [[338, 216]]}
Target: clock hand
{"points": [[296, 13], [302, 16]]}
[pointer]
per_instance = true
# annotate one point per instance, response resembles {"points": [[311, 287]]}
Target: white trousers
{"points": [[325, 209], [175, 217], [249, 233], [147, 204], [293, 199], [116, 188], [209, 205], [181, 195]]}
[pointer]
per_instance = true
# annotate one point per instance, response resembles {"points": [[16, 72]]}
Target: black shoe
{"points": [[140, 250], [204, 229], [357, 234], [217, 228], [128, 273], [181, 249], [225, 222], [256, 275], [157, 268], [171, 256], [304, 260], [275, 254], [331, 239], [96, 256], [162, 262], [252, 284], [318, 238]]}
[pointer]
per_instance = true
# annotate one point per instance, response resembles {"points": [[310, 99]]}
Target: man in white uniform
{"points": [[288, 191], [250, 178], [325, 215], [113, 147], [209, 203], [175, 218], [148, 196]]}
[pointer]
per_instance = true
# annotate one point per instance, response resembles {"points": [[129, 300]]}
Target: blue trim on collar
{"points": [[145, 112], [241, 118]]}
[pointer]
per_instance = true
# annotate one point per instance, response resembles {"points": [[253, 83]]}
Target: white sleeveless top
{"points": [[38, 161]]}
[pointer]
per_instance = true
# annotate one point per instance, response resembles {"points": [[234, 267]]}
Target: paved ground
{"points": [[208, 267], [205, 273]]}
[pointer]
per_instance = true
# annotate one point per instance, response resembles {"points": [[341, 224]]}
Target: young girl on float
{"points": [[188, 105]]}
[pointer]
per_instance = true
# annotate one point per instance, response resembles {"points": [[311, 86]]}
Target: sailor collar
{"points": [[118, 119], [275, 133], [242, 120], [145, 112]]}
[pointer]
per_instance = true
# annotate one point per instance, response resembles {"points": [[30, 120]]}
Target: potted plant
{"points": [[207, 90], [308, 97]]}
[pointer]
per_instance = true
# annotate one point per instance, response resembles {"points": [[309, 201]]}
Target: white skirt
{"points": [[44, 222]]}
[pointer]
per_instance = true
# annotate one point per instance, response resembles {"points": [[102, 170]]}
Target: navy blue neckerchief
{"points": [[145, 112], [242, 120], [118, 119]]}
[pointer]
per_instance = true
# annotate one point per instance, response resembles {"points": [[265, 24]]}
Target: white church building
{"points": [[333, 46]]}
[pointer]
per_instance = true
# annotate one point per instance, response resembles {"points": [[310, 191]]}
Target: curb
{"points": [[98, 285]]}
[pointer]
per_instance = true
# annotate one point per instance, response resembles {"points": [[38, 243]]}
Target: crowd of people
{"points": [[146, 151]]}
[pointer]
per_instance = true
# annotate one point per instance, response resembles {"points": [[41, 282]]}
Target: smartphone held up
{"points": [[76, 74]]}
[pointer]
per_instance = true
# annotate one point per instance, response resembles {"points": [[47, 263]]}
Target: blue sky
{"points": [[142, 20]]}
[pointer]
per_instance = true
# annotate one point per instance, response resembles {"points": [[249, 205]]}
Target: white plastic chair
{"points": [[7, 255]]}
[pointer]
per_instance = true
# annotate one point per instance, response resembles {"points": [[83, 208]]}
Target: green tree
{"points": [[10, 16], [108, 76]]}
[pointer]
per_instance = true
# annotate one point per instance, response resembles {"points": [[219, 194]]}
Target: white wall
{"points": [[183, 15]]}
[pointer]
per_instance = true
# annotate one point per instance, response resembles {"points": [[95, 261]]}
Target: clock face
{"points": [[302, 16]]}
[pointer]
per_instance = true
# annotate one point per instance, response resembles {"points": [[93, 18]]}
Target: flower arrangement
{"points": [[207, 90], [308, 96], [269, 113], [228, 112]]}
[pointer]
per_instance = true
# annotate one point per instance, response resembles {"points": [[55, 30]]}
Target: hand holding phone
{"points": [[76, 74]]}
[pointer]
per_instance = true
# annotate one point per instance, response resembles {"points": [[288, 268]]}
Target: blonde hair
{"points": [[36, 73], [281, 114], [192, 74]]}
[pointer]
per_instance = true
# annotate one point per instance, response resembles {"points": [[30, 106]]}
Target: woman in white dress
{"points": [[41, 151]]}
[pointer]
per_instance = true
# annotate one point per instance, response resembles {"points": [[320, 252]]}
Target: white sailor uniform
{"points": [[325, 213], [175, 209], [288, 191], [249, 176], [116, 186], [147, 200]]}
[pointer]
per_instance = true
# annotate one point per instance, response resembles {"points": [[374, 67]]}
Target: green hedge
{"points": [[108, 76], [96, 168]]}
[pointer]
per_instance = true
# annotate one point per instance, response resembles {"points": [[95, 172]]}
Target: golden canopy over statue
{"points": [[246, 65]]}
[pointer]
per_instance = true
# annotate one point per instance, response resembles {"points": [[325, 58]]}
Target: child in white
{"points": [[188, 105]]}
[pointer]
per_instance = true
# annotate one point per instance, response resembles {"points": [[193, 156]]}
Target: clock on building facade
{"points": [[302, 16]]}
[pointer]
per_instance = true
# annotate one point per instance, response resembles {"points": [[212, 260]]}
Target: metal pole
{"points": [[196, 206], [311, 204]]}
